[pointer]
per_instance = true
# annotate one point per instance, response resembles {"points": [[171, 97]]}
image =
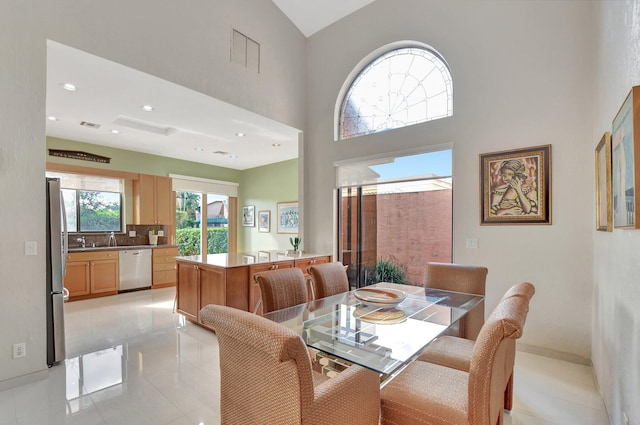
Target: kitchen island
{"points": [[227, 279]]}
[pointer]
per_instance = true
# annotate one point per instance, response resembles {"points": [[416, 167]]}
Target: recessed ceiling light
{"points": [[69, 86], [198, 149], [240, 134], [148, 108], [114, 131], [275, 145], [52, 118], [233, 156]]}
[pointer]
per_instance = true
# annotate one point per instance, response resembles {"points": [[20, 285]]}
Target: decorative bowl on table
{"points": [[379, 297]]}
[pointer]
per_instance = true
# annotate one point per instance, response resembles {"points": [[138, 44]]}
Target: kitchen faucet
{"points": [[83, 241]]}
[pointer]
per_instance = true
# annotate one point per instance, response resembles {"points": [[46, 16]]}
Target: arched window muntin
{"points": [[398, 85]]}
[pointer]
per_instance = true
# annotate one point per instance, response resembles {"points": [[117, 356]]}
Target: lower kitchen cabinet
{"points": [[91, 274], [200, 284], [164, 267]]}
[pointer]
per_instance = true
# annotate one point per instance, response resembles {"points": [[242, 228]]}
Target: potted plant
{"points": [[295, 242]]}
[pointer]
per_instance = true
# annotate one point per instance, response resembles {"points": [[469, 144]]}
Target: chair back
{"points": [[460, 278], [282, 288], [329, 279], [265, 371], [492, 359]]}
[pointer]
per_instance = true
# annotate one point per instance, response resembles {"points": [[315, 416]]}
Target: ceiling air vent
{"points": [[221, 153], [149, 127], [90, 124]]}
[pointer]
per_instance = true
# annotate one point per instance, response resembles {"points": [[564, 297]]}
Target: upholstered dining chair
{"points": [[266, 376], [460, 278], [456, 352], [281, 288], [329, 279], [426, 393]]}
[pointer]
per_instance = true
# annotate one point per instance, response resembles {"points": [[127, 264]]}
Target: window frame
{"points": [[377, 56]]}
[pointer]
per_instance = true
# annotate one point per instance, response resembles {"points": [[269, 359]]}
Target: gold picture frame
{"points": [[515, 186], [625, 162], [604, 206]]}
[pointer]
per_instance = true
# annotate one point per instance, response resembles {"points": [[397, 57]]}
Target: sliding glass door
{"points": [[389, 230]]}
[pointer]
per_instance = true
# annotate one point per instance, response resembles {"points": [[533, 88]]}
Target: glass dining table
{"points": [[380, 337]]}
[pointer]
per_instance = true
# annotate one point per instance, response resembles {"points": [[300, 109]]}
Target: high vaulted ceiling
{"points": [[185, 124]]}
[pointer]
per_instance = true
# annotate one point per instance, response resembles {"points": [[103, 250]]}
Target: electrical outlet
{"points": [[160, 232], [19, 350], [625, 420]]}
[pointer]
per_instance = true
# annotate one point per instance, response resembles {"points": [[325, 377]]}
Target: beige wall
{"points": [[184, 45], [616, 267], [522, 73]]}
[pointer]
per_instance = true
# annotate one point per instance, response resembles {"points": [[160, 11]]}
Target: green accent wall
{"points": [[136, 162], [263, 187]]}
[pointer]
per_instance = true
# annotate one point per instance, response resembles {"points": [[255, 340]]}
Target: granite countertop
{"points": [[237, 259], [117, 248]]}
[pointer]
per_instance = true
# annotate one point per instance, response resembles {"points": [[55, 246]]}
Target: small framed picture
{"points": [[515, 186], [604, 206], [264, 221], [248, 259], [263, 257], [288, 217], [248, 215]]}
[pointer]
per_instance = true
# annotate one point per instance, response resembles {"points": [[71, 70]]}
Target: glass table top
{"points": [[376, 337]]}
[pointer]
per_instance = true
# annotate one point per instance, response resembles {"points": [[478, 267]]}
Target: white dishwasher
{"points": [[135, 269]]}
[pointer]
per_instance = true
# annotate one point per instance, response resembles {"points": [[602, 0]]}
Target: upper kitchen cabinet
{"points": [[153, 197]]}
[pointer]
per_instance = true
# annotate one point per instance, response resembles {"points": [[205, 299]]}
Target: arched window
{"points": [[404, 86]]}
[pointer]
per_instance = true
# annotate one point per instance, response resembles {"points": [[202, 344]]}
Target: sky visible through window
{"points": [[437, 163]]}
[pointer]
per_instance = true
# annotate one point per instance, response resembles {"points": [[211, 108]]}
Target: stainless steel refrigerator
{"points": [[56, 293]]}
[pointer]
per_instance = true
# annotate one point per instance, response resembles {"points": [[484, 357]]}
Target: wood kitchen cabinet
{"points": [[153, 200], [188, 291], [91, 274], [164, 267], [226, 279], [199, 286]]}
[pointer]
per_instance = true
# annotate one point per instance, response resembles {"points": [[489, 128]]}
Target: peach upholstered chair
{"points": [[266, 376], [281, 288], [456, 352], [329, 279], [429, 393], [460, 278]]}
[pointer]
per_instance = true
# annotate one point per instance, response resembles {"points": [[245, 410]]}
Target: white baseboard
{"points": [[24, 379], [558, 355]]}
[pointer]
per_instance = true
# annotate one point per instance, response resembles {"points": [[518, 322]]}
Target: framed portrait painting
{"points": [[604, 215], [264, 221], [288, 217], [515, 186], [625, 143], [248, 215]]}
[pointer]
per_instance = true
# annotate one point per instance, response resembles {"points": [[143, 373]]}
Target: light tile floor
{"points": [[131, 360]]}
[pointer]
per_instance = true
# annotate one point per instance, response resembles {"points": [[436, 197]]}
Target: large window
{"points": [[402, 87], [93, 203], [395, 215]]}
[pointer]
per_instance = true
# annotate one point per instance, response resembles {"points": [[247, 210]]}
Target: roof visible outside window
{"points": [[402, 87]]}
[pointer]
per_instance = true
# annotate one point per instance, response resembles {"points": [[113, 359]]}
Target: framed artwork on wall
{"points": [[604, 214], [248, 215], [263, 257], [288, 217], [625, 143], [264, 221], [515, 186]]}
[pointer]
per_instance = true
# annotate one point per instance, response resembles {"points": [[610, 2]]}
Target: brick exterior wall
{"points": [[412, 228]]}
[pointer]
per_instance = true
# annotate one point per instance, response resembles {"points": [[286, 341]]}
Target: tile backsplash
{"points": [[122, 239]]}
